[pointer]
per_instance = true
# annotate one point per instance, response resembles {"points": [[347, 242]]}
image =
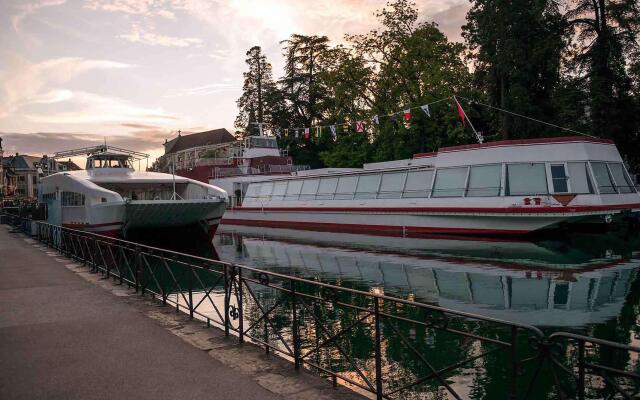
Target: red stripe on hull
{"points": [[372, 229], [511, 210]]}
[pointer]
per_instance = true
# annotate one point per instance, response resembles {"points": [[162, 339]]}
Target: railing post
{"points": [[240, 313], [581, 370], [190, 292], [137, 269], [378, 355], [514, 362], [227, 294], [294, 327]]}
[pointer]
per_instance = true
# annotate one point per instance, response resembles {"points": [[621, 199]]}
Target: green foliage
{"points": [[572, 63]]}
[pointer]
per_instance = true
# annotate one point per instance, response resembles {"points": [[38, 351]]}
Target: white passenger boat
{"points": [[111, 198], [506, 187]]}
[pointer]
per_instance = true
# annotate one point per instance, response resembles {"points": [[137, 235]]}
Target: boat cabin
{"points": [[109, 160]]}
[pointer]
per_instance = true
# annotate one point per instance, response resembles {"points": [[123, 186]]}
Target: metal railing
{"points": [[385, 346]]}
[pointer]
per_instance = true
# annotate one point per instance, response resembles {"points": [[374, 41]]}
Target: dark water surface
{"points": [[587, 284]]}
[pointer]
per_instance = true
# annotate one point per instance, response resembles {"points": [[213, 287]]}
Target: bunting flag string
{"points": [[316, 131]]}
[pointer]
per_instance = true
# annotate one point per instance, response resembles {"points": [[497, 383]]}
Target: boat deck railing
{"points": [[360, 338]]}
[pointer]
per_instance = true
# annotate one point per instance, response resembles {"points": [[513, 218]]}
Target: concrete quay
{"points": [[69, 334]]}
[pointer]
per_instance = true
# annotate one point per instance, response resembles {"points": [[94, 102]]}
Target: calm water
{"points": [[587, 284]]}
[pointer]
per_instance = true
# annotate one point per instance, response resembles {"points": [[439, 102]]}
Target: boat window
{"points": [[71, 199], [265, 190], [293, 190], [526, 179], [392, 185], [327, 188], [559, 178], [309, 189], [252, 191], [623, 183], [346, 187], [450, 182], [367, 186], [48, 196], [603, 179], [484, 180], [279, 190], [579, 176], [418, 184]]}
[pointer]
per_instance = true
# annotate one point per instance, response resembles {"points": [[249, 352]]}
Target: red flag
{"points": [[306, 133], [359, 126], [460, 111], [407, 114]]}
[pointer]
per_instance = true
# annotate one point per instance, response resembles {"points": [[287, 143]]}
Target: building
{"points": [[20, 174], [1, 170]]}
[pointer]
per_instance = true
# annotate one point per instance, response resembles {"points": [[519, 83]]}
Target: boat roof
{"points": [[129, 177]]}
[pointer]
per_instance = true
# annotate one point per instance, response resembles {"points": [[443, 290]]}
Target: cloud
{"points": [[27, 9], [23, 82], [210, 88], [145, 36], [39, 143], [450, 20], [135, 7], [91, 108]]}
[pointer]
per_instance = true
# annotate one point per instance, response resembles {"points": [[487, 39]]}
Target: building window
{"points": [[526, 179], [450, 182], [34, 179], [559, 178], [603, 179], [484, 180], [21, 178], [579, 177]]}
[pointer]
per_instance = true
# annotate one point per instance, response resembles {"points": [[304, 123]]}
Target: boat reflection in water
{"points": [[554, 283]]}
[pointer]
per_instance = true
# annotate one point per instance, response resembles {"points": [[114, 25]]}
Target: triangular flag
{"points": [[425, 108], [394, 117], [460, 111], [359, 126], [333, 131], [306, 133], [345, 127], [407, 114], [375, 120], [296, 133], [286, 132], [318, 131], [278, 133]]}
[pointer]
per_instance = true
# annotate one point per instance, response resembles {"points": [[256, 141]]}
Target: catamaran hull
{"points": [[412, 224], [116, 220]]}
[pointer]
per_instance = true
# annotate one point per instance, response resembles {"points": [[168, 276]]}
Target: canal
{"points": [[587, 284]]}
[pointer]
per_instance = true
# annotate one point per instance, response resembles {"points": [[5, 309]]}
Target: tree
{"points": [[604, 44], [254, 105], [516, 50]]}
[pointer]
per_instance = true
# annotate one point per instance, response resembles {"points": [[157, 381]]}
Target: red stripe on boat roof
{"points": [[516, 142]]}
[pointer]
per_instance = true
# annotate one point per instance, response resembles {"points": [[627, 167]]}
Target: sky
{"points": [[134, 72]]}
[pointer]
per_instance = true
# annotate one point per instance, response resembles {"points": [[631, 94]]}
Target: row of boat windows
{"points": [[523, 179], [68, 199]]}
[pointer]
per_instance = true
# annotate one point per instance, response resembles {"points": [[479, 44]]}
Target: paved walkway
{"points": [[63, 337]]}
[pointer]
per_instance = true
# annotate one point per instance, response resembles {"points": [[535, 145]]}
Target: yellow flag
{"points": [[286, 132]]}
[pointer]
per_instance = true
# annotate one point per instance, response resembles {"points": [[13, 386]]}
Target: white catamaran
{"points": [[503, 188], [110, 197]]}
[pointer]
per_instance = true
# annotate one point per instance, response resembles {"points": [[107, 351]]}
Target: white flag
{"points": [[425, 108]]}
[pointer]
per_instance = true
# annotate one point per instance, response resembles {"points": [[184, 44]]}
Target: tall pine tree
{"points": [[255, 105]]}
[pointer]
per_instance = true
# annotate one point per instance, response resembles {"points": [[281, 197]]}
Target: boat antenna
{"points": [[526, 117], [478, 135]]}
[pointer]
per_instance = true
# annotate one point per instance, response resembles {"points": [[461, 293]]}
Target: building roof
{"points": [[71, 166], [207, 138], [21, 161]]}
